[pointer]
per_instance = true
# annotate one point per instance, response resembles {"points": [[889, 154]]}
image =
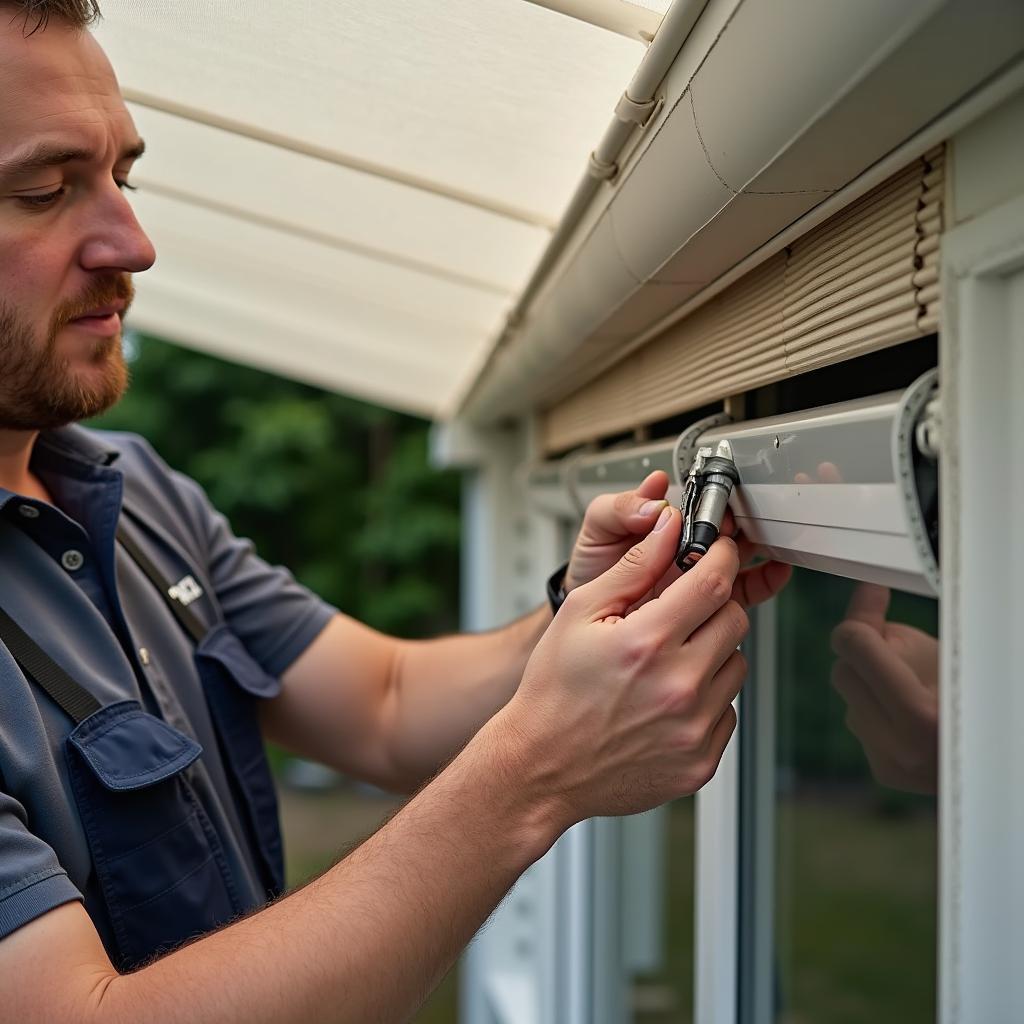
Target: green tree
{"points": [[339, 491]]}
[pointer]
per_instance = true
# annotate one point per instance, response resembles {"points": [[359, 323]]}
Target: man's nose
{"points": [[117, 241]]}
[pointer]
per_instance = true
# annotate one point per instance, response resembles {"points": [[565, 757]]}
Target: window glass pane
{"points": [[662, 987], [855, 804]]}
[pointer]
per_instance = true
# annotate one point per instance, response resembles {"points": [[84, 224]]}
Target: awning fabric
{"points": [[353, 193]]}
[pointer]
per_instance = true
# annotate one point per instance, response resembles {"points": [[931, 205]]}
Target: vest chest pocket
{"points": [[157, 857]]}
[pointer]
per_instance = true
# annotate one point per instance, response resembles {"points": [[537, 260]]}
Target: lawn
{"points": [[319, 828], [855, 891]]}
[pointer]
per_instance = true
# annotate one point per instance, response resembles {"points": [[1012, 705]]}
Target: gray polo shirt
{"points": [[86, 603]]}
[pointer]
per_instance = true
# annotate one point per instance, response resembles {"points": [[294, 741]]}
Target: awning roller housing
{"points": [[842, 488]]}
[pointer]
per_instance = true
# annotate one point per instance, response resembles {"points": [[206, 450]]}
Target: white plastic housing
{"points": [[827, 488]]}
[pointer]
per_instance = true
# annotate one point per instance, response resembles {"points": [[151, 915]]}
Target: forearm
{"points": [[369, 939], [445, 689]]}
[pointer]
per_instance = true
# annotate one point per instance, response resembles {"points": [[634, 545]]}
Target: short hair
{"points": [[37, 13]]}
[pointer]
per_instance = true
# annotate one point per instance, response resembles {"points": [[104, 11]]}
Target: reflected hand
{"points": [[888, 674], [614, 523], [826, 473]]}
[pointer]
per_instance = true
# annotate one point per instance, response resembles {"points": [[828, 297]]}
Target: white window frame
{"points": [[982, 765]]}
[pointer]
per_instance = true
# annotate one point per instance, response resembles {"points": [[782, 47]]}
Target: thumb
{"points": [[654, 485], [635, 573], [869, 604]]}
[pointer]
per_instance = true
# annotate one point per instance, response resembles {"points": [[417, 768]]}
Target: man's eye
{"points": [[42, 201], [126, 186]]}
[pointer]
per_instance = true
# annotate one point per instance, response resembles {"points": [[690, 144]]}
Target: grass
{"points": [[856, 912], [319, 828], [855, 896]]}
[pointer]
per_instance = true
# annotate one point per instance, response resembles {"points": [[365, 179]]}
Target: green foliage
{"points": [[337, 490]]}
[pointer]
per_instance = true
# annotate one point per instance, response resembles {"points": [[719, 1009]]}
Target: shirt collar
{"points": [[78, 443]]}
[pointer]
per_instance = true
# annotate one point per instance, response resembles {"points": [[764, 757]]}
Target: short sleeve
{"points": [[31, 878], [273, 615]]}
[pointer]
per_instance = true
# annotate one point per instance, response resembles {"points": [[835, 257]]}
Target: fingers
{"points": [[715, 642], [728, 524], [894, 685], [634, 574], [761, 583], [654, 485], [869, 604], [614, 517], [720, 736], [866, 717], [727, 682], [748, 549], [693, 598], [826, 473]]}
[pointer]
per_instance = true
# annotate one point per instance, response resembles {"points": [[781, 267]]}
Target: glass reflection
{"points": [[855, 810], [888, 675], [665, 995]]}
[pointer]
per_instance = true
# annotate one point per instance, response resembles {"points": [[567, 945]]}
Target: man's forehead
{"points": [[57, 85]]}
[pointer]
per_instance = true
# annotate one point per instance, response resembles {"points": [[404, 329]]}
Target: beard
{"points": [[39, 388]]}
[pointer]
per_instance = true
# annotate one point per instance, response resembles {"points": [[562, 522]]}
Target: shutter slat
{"points": [[899, 206], [859, 294], [852, 318], [836, 285], [900, 233], [864, 338]]}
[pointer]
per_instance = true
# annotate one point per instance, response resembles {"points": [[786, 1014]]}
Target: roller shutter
{"points": [[866, 278]]}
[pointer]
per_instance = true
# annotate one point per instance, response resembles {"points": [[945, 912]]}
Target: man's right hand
{"points": [[621, 710]]}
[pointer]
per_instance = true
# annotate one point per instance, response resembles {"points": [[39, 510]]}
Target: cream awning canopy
{"points": [[354, 194]]}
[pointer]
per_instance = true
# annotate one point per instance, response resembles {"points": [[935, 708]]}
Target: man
{"points": [[144, 646]]}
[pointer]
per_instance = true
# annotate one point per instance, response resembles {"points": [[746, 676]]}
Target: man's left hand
{"points": [[615, 522]]}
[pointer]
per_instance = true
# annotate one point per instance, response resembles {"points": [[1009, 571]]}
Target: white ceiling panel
{"points": [[346, 208], [241, 250], [355, 193], [496, 99], [328, 316]]}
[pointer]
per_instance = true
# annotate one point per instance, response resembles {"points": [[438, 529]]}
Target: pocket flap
{"points": [[220, 645], [128, 748]]}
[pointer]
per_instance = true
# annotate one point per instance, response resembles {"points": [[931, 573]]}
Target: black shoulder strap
{"points": [[191, 622], [75, 700]]}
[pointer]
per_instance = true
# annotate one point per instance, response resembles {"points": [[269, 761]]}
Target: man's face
{"points": [[68, 238]]}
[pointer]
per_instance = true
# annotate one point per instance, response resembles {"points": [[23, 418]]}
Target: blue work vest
{"points": [[158, 856], [163, 876]]}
